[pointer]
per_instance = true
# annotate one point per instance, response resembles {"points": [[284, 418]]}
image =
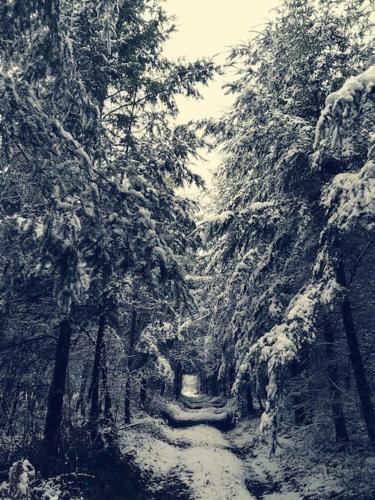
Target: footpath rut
{"points": [[214, 470]]}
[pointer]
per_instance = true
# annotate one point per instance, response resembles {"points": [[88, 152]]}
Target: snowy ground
{"points": [[199, 456], [299, 471], [210, 415], [202, 462]]}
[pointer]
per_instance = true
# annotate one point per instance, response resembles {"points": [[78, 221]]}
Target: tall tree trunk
{"points": [[128, 385], [230, 377], [215, 384], [81, 406], [337, 407], [162, 388], [94, 386], [143, 391], [298, 400], [249, 396], [178, 380], [57, 390], [107, 396], [127, 409], [203, 383], [212, 387], [355, 355], [260, 403]]}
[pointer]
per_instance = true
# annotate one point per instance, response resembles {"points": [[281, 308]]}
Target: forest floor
{"points": [[190, 458], [196, 456], [194, 452]]}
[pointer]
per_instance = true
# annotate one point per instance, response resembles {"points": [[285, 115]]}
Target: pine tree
{"points": [[269, 218], [90, 163]]}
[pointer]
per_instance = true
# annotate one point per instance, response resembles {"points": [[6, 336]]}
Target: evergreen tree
{"points": [[267, 232], [90, 166]]}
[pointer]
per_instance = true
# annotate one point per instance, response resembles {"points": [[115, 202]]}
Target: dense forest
{"points": [[153, 348]]}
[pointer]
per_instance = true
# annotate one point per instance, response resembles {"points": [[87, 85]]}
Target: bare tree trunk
{"points": [[203, 383], [355, 355], [94, 386], [298, 400], [128, 385], [81, 405], [57, 390], [249, 397], [337, 406], [127, 410], [162, 388], [215, 384], [107, 396], [230, 377], [178, 380], [260, 403], [143, 391]]}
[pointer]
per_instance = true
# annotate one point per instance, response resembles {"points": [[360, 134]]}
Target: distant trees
{"points": [[285, 206]]}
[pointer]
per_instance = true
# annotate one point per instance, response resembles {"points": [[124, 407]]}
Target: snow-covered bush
{"points": [[18, 487]]}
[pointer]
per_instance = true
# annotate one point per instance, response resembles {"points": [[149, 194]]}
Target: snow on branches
{"points": [[283, 343], [151, 342], [342, 137], [363, 82], [343, 111], [350, 197], [107, 11], [21, 474]]}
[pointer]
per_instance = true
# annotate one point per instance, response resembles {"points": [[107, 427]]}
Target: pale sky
{"points": [[208, 28]]}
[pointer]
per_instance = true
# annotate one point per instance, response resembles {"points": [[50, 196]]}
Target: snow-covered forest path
{"points": [[212, 469], [197, 455]]}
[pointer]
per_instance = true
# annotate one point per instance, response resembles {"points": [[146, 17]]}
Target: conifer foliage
{"points": [[293, 234], [92, 232]]}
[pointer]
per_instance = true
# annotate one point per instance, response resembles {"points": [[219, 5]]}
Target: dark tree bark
{"points": [[296, 369], [212, 388], [127, 410], [178, 380], [230, 377], [128, 385], [355, 355], [57, 390], [95, 378], [215, 384], [221, 386], [107, 396], [162, 388], [249, 397], [143, 391], [81, 406], [337, 406], [260, 403], [203, 383]]}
